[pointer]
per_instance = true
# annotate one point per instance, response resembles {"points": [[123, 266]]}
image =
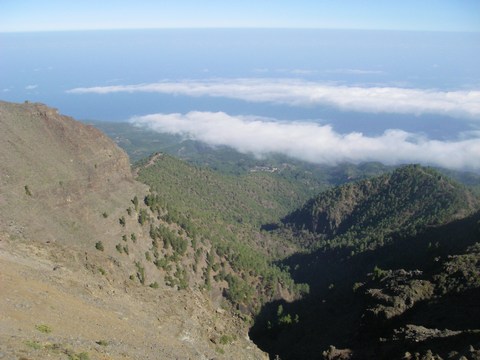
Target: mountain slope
{"points": [[95, 265], [393, 270], [58, 175], [227, 212], [81, 275], [366, 213], [420, 295]]}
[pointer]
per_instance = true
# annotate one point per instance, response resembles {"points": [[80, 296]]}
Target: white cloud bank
{"points": [[314, 142], [305, 93]]}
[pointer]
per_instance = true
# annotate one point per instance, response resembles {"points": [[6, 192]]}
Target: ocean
{"points": [[45, 66]]}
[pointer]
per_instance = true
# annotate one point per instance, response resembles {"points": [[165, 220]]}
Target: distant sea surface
{"points": [[42, 67]]}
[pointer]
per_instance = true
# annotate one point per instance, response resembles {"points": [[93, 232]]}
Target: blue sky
{"points": [[57, 15]]}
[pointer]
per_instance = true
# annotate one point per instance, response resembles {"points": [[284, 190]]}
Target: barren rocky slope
{"points": [[66, 291]]}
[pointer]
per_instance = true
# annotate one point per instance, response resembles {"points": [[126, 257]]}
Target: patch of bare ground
{"points": [[57, 311]]}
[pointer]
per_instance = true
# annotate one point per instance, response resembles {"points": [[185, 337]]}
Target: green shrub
{"points": [[357, 286], [135, 202], [43, 328], [119, 248], [143, 216], [140, 272], [378, 273], [80, 356], [154, 285], [99, 246]]}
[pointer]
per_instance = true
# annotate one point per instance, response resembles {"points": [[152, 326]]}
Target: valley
{"points": [[182, 250]]}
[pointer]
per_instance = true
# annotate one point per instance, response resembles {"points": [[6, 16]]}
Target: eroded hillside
{"points": [[82, 277]]}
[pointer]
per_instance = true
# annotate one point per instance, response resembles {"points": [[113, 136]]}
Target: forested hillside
{"points": [[382, 255], [393, 262], [227, 212], [369, 213]]}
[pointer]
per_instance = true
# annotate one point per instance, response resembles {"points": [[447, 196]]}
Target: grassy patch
{"points": [[76, 356], [33, 344], [43, 328], [226, 339]]}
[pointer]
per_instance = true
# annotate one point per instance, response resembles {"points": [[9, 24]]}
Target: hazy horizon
{"points": [[430, 15]]}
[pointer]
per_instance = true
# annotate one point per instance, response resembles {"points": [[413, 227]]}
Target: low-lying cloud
{"points": [[314, 142], [305, 93]]}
